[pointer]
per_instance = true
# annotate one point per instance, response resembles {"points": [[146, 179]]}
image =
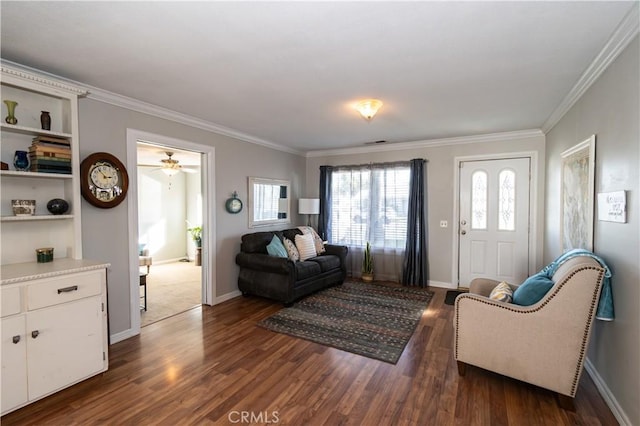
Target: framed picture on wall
{"points": [[577, 194]]}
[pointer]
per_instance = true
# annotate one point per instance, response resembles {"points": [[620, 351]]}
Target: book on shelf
{"points": [[43, 159], [47, 154], [52, 140], [50, 169], [56, 163], [37, 149], [59, 172]]}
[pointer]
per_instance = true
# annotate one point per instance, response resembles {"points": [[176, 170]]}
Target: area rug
{"points": [[372, 320], [450, 298]]}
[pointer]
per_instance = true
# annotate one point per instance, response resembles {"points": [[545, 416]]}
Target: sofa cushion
{"points": [[327, 262], [256, 242], [276, 248], [532, 290], [305, 246], [306, 269], [292, 251], [502, 293]]}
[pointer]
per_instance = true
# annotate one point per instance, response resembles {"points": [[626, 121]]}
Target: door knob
{"points": [[463, 232], [35, 333], [463, 222], [16, 339]]}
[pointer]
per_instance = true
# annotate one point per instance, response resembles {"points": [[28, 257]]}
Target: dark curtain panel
{"points": [[324, 219], [415, 270]]}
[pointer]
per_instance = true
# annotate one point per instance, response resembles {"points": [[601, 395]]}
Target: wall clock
{"points": [[103, 180], [233, 204]]}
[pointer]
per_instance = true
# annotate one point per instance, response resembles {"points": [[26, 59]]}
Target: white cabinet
{"points": [[21, 235], [54, 327], [14, 362]]}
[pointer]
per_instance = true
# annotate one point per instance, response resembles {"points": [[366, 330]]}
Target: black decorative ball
{"points": [[57, 206]]}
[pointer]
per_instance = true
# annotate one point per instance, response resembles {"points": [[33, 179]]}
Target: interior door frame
{"points": [[208, 216], [534, 238]]}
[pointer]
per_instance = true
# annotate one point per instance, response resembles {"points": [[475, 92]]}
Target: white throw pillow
{"points": [[292, 251], [305, 246]]}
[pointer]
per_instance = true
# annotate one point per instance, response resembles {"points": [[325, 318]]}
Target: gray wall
{"points": [[440, 175], [610, 110], [162, 204], [105, 234]]}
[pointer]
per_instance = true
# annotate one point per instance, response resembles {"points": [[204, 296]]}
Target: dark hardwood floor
{"points": [[213, 365]]}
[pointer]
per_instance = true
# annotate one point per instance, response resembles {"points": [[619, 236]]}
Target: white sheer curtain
{"points": [[369, 203]]}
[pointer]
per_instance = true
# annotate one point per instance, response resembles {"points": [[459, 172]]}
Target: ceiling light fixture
{"points": [[170, 166], [368, 108], [170, 172]]}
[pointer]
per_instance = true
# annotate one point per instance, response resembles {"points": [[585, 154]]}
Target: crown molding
{"points": [[132, 104], [490, 137], [188, 120], [619, 40], [28, 74]]}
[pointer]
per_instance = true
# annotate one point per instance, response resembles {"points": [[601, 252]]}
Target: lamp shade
{"points": [[368, 108], [170, 171], [309, 206]]}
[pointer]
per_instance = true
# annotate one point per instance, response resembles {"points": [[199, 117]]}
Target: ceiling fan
{"points": [[171, 166]]}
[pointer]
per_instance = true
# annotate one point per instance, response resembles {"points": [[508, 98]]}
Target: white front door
{"points": [[493, 237]]}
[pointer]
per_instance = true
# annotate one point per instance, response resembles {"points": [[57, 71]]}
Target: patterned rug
{"points": [[372, 320]]}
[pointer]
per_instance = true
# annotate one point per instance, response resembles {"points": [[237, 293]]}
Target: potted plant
{"points": [[196, 236], [367, 264]]}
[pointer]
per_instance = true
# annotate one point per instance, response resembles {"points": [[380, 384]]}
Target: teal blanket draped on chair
{"points": [[605, 304]]}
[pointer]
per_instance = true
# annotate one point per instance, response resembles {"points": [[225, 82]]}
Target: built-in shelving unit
{"points": [[21, 235], [54, 314]]}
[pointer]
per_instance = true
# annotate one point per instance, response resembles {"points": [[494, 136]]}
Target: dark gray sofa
{"points": [[281, 279]]}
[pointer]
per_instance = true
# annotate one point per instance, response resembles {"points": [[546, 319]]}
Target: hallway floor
{"points": [[171, 288]]}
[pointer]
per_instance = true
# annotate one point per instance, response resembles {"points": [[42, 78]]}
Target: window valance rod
{"points": [[392, 163]]}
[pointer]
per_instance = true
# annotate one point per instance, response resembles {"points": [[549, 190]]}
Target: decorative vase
{"points": [[21, 161], [57, 206], [11, 110], [45, 120]]}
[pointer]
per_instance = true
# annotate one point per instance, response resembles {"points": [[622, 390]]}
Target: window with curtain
{"points": [[369, 203]]}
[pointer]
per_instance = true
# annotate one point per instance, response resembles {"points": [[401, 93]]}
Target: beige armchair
{"points": [[543, 344], [145, 259]]}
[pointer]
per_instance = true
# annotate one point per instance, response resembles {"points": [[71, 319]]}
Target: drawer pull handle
{"points": [[67, 289], [16, 339], [35, 333]]}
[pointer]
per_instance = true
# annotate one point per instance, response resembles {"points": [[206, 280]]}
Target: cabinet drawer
{"points": [[52, 291], [11, 301]]}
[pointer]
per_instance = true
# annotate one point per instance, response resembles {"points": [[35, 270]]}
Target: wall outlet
{"points": [[444, 224]]}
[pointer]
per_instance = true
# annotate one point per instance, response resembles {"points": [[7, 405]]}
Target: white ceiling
{"points": [[289, 72]]}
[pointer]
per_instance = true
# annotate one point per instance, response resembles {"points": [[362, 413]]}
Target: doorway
{"points": [[494, 219], [169, 225], [165, 202]]}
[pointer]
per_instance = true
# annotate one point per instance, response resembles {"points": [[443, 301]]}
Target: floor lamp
{"points": [[309, 206]]}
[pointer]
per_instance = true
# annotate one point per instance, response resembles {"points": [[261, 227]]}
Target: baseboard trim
{"points": [[162, 262], [227, 296], [442, 284], [123, 335], [606, 394]]}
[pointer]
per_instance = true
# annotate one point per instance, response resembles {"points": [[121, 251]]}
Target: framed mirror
{"points": [[269, 202]]}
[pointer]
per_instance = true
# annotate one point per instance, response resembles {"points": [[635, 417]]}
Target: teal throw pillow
{"points": [[141, 247], [532, 290], [276, 248]]}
